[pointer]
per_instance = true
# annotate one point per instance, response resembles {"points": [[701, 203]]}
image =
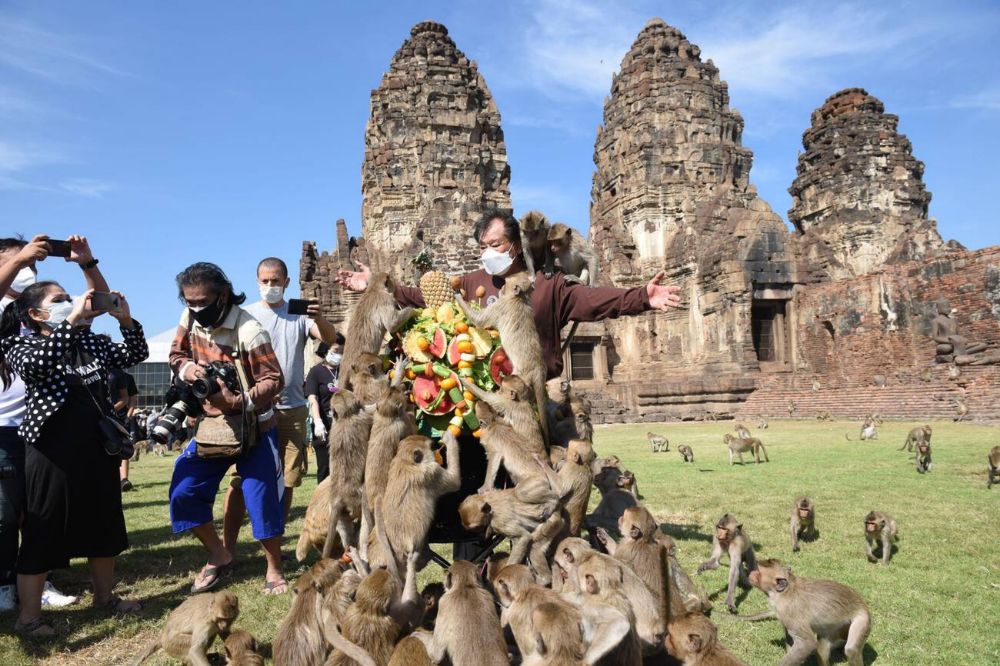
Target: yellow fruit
{"points": [[461, 327], [435, 289], [462, 365], [468, 396], [445, 313], [477, 433], [448, 383], [465, 347], [423, 344], [458, 411], [455, 430]]}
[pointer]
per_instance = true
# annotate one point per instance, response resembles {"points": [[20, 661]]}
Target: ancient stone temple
{"points": [[671, 192], [859, 199], [434, 156]]}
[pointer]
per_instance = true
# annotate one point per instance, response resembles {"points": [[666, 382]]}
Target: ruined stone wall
{"points": [[859, 199], [435, 157], [671, 192]]}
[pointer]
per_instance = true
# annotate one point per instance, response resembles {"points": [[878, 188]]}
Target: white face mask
{"points": [[496, 262], [58, 313], [334, 358], [271, 295], [24, 279]]}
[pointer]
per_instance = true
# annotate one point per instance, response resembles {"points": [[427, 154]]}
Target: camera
{"points": [[181, 403], [206, 386]]}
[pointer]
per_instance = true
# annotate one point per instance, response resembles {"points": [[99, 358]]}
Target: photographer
{"points": [[219, 347], [73, 498]]}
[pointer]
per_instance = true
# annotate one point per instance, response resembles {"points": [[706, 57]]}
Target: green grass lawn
{"points": [[938, 602]]}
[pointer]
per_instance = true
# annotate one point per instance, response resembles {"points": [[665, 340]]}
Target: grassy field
{"points": [[938, 602]]}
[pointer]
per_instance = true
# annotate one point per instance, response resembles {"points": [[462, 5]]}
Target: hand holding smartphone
{"points": [[300, 306], [59, 248], [102, 301]]}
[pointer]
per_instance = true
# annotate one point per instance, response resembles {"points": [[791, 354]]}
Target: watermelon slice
{"points": [[500, 365], [426, 393], [454, 356], [439, 344]]}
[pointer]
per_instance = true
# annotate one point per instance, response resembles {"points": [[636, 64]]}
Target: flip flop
{"points": [[212, 573], [37, 628], [269, 586]]}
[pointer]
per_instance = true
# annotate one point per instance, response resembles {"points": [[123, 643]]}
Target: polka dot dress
{"points": [[38, 359]]}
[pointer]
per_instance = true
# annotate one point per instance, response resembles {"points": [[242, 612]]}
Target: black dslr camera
{"points": [[184, 400]]}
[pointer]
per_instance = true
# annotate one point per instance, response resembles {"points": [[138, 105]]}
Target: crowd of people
{"points": [[241, 402]]}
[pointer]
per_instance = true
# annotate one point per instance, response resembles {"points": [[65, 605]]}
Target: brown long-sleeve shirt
{"points": [[555, 302]]}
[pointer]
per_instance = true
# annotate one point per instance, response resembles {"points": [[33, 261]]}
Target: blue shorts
{"points": [[195, 484]]}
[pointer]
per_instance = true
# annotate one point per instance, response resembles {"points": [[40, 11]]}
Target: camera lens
{"points": [[202, 388]]}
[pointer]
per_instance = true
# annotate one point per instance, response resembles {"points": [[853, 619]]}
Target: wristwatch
{"points": [[90, 264]]}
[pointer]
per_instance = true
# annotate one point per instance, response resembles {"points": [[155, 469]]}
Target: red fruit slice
{"points": [[500, 365], [425, 392], [454, 356], [439, 344]]}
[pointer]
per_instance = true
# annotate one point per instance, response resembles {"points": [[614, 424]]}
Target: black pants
{"points": [[74, 501], [322, 461], [11, 501]]}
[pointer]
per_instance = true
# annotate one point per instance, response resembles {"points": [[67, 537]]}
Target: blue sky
{"points": [[227, 131]]}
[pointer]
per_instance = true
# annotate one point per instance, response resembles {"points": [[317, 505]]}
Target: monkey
{"points": [[681, 586], [816, 385], [512, 315], [614, 500], [923, 457], [191, 628], [241, 650], [824, 416], [372, 317], [594, 634], [317, 524], [515, 513], [869, 429], [504, 446], [300, 638], [348, 443], [880, 526], [992, 467], [742, 432], [468, 630], [730, 538], [628, 483], [573, 254], [954, 372], [803, 521], [961, 410], [738, 446], [817, 615], [569, 415], [694, 641], [658, 442], [415, 483], [686, 453], [711, 416], [412, 651], [518, 594], [368, 623], [431, 594], [513, 402], [791, 408], [577, 477], [650, 609], [337, 598], [761, 423], [601, 585], [915, 436], [876, 418], [159, 449], [368, 379], [535, 248]]}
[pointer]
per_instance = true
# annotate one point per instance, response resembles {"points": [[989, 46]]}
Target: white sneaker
{"points": [[53, 597], [8, 597]]}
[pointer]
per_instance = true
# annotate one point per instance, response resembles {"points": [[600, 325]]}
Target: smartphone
{"points": [[104, 301], [297, 306], [59, 248]]}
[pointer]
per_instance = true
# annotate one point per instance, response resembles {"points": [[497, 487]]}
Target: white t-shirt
{"points": [[12, 405], [289, 334]]}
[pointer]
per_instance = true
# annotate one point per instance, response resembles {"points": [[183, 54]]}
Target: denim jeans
{"points": [[11, 501]]}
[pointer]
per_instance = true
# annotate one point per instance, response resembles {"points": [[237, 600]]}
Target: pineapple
{"points": [[436, 289]]}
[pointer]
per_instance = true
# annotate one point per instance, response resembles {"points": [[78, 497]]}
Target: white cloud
{"points": [[86, 187]]}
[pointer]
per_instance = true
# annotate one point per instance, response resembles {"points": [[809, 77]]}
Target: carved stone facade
{"points": [[434, 156], [859, 199]]}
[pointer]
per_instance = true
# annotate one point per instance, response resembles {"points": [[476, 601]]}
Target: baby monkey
{"points": [[191, 628], [694, 640], [803, 523], [880, 526], [730, 538]]}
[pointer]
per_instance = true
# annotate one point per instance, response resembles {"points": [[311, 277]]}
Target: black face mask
{"points": [[208, 316]]}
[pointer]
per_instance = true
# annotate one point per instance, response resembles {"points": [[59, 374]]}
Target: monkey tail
{"points": [[146, 652], [765, 615], [351, 650], [848, 437], [569, 337], [302, 547], [336, 506], [665, 577]]}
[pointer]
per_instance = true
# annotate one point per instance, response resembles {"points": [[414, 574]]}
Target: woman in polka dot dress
{"points": [[74, 506]]}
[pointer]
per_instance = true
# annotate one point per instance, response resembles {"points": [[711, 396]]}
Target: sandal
{"points": [[271, 585], [118, 606], [210, 573], [37, 628]]}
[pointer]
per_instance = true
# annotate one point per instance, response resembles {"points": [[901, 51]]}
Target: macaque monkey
{"points": [[791, 408], [513, 316], [519, 594], [601, 586], [961, 410], [191, 628], [818, 615], [730, 538], [416, 481], [367, 622], [577, 478], [569, 415], [467, 631], [681, 586], [658, 442], [824, 416], [241, 650], [368, 379], [742, 432], [915, 436], [348, 443], [316, 525], [923, 457], [572, 253], [686, 452], [694, 641], [761, 423], [739, 446], [628, 483], [880, 526], [868, 430], [373, 316], [614, 500], [300, 637], [803, 522], [992, 467], [504, 446], [515, 405], [535, 246], [412, 651], [594, 634]]}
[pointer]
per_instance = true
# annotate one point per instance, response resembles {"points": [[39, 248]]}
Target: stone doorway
{"points": [[769, 329]]}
